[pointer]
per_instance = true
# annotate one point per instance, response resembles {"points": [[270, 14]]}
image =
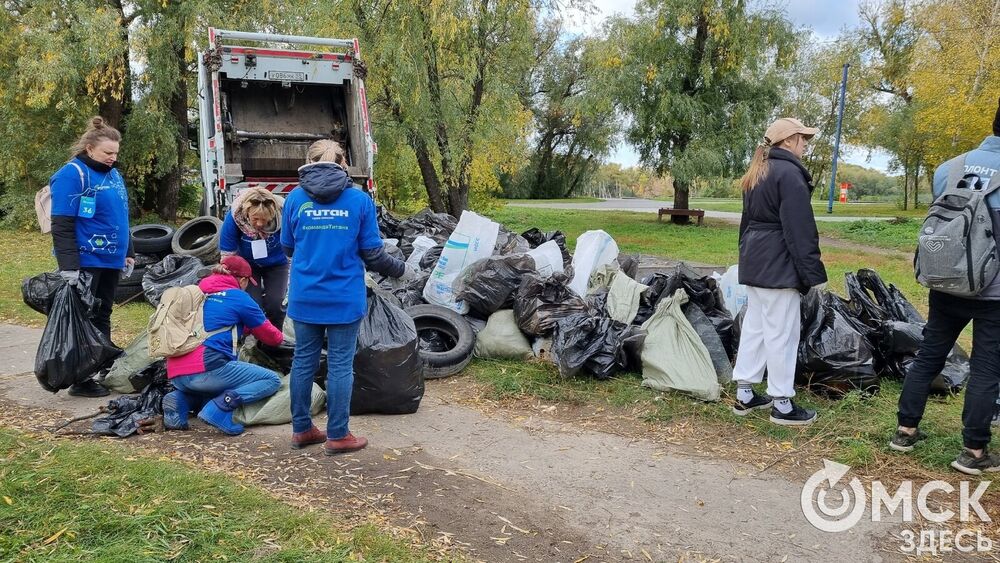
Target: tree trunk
{"points": [[906, 185], [169, 186], [681, 190], [431, 181]]}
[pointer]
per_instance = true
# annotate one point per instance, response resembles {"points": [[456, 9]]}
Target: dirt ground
{"points": [[513, 482]]}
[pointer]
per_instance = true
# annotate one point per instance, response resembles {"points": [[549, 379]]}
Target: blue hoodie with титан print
{"points": [[326, 223]]}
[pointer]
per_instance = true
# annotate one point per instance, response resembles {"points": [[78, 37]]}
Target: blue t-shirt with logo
{"points": [[99, 202], [232, 239], [327, 283]]}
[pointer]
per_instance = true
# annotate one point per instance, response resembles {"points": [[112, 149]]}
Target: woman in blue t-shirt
{"points": [[252, 229], [90, 230], [331, 235]]}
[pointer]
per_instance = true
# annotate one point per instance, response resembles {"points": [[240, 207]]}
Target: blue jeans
{"points": [[342, 341], [250, 381]]}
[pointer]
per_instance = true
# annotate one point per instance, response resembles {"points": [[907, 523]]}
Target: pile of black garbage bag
{"points": [[852, 343]]}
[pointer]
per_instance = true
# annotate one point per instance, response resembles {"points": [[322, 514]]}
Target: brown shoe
{"points": [[349, 443], [309, 437]]}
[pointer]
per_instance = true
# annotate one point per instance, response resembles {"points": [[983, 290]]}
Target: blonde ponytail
{"points": [[758, 168]]}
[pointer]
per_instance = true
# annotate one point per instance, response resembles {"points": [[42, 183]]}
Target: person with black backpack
{"points": [[957, 260]]}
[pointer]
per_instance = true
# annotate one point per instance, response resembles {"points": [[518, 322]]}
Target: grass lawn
{"points": [[858, 428], [29, 253], [819, 207], [62, 501]]}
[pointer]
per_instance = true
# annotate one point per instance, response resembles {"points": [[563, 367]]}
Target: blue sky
{"points": [[825, 17]]}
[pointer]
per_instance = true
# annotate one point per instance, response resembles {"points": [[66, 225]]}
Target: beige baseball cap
{"points": [[785, 128]]}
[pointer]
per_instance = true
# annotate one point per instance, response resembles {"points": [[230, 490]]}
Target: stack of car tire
{"points": [[198, 237]]}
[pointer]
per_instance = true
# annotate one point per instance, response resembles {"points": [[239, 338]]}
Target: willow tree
{"points": [[699, 79], [446, 73]]}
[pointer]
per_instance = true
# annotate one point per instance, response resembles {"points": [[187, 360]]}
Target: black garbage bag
{"points": [[540, 303], [72, 349], [598, 301], [656, 283], [430, 258], [894, 329], [38, 291], [176, 270], [595, 345], [834, 357], [393, 250], [155, 372], [279, 358], [629, 265], [489, 285], [408, 293], [537, 238], [437, 226], [510, 243], [389, 226], [388, 371], [126, 413]]}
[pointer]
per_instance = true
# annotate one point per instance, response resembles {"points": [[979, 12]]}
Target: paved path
{"points": [[552, 481], [651, 206]]}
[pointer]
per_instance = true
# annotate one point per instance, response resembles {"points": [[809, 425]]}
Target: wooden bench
{"points": [[699, 213]]}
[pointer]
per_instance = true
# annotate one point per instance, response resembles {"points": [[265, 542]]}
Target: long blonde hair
{"points": [[326, 150], [97, 131], [758, 168]]}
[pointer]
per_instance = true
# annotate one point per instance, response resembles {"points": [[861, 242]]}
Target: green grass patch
{"points": [[29, 253], [61, 501], [819, 207], [897, 234]]}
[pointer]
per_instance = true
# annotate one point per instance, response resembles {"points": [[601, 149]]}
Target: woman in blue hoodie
{"points": [[330, 232]]}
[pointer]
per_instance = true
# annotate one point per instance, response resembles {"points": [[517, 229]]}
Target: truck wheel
{"points": [[199, 237], [446, 340], [152, 238]]}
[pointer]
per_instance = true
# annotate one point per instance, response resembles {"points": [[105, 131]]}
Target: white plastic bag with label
{"points": [[548, 259], [421, 245], [734, 294], [593, 250], [473, 239]]}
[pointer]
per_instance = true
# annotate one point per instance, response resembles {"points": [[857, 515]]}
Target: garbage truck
{"points": [[261, 104]]}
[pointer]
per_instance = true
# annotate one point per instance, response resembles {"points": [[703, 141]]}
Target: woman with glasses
{"points": [[252, 230]]}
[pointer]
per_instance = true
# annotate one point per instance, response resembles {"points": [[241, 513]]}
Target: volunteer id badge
{"points": [[258, 248], [88, 206]]}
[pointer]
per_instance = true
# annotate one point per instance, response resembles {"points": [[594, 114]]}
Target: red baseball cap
{"points": [[239, 267]]}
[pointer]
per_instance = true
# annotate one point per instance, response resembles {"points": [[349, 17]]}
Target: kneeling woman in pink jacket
{"points": [[212, 371]]}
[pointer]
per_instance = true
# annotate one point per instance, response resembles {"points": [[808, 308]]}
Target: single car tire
{"points": [[152, 238], [461, 339], [125, 293], [135, 279], [199, 237]]}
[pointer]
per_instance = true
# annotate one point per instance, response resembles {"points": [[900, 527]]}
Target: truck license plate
{"points": [[293, 76]]}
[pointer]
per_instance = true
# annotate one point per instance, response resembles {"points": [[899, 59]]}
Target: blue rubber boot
{"points": [[176, 407], [219, 413]]}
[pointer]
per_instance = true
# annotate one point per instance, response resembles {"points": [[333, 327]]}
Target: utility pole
{"points": [[836, 142]]}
